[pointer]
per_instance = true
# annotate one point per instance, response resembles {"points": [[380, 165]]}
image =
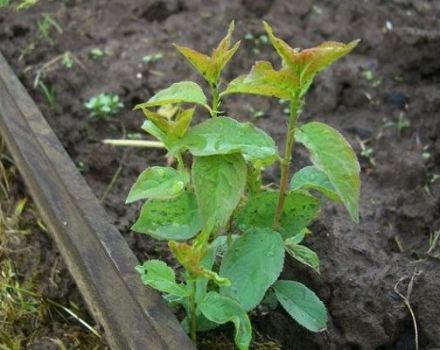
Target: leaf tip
{"points": [[354, 43], [231, 27], [138, 106]]}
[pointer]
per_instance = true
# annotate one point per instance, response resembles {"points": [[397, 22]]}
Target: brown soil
{"points": [[37, 294], [394, 73]]}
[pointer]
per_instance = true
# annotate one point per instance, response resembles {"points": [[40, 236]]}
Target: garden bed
{"points": [[384, 97]]}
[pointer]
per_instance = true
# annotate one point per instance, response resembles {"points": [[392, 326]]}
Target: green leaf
{"points": [[183, 120], [333, 155], [162, 119], [252, 263], [154, 130], [210, 67], [302, 304], [223, 135], [298, 238], [182, 92], [174, 219], [221, 309], [311, 178], [158, 183], [264, 80], [157, 274], [300, 208], [308, 62], [302, 254], [219, 182], [201, 62]]}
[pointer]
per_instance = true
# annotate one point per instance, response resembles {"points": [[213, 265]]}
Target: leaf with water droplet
{"points": [[223, 135]]}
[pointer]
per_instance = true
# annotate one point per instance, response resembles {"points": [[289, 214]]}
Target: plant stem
{"points": [[192, 310], [215, 99], [180, 162], [295, 106], [134, 143]]}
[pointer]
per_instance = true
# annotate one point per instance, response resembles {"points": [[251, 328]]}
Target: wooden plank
{"points": [[132, 315]]}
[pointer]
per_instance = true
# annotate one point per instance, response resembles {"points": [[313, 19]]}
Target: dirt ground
{"points": [[384, 97]]}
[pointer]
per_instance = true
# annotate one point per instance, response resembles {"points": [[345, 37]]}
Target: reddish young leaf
{"points": [[308, 62], [210, 67], [263, 79]]}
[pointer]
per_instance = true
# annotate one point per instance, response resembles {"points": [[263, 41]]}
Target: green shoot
{"points": [[96, 53], [67, 60], [104, 105], [49, 93], [152, 58], [45, 27], [25, 4]]}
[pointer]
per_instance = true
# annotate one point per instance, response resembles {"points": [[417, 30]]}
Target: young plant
{"points": [[96, 53], [45, 26], [226, 228], [103, 106]]}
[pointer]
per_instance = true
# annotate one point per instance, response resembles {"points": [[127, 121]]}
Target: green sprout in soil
{"points": [[104, 105], [67, 60], [45, 27], [96, 53], [19, 5], [153, 57], [227, 229], [49, 93], [25, 4]]}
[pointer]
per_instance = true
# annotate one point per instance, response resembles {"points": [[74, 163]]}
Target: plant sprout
{"points": [[104, 105]]}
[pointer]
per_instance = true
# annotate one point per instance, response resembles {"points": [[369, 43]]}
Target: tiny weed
{"points": [[153, 57], [19, 5], [67, 60], [96, 53], [104, 105], [46, 25], [25, 4], [426, 153], [223, 225], [369, 75], [49, 93]]}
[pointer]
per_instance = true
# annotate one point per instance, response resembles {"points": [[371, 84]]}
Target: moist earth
{"points": [[384, 97]]}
